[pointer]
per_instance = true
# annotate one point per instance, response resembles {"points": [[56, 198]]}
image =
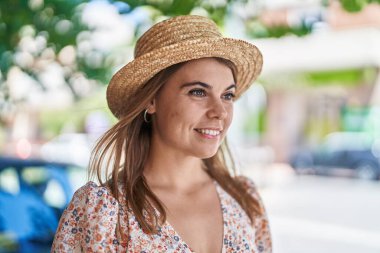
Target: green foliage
{"points": [[302, 81], [59, 22], [257, 30], [356, 5], [183, 7], [255, 123], [345, 77], [167, 7], [55, 19]]}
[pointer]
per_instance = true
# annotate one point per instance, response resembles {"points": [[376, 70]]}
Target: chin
{"points": [[206, 153]]}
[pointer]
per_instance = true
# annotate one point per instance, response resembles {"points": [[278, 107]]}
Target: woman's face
{"points": [[193, 110]]}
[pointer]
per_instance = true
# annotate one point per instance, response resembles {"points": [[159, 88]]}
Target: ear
{"points": [[152, 106]]}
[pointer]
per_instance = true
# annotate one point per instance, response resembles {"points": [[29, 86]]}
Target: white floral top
{"points": [[89, 225]]}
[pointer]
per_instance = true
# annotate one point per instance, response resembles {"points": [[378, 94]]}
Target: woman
{"points": [[167, 187]]}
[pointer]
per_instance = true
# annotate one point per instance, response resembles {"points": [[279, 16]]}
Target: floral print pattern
{"points": [[89, 224]]}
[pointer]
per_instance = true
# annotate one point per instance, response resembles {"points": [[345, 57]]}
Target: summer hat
{"points": [[176, 40]]}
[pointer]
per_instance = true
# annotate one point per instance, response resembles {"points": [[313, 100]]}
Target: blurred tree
{"points": [[35, 34], [55, 19], [306, 23], [216, 9], [356, 5], [38, 33], [32, 34]]}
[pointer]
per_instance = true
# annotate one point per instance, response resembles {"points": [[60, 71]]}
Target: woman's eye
{"points": [[197, 92], [229, 96]]}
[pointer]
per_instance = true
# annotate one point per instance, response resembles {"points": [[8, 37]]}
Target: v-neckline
{"points": [[222, 208]]}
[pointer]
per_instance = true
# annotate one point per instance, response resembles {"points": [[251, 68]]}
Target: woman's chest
{"points": [[237, 233], [198, 222]]}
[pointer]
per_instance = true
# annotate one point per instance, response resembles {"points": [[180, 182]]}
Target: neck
{"points": [[170, 170]]}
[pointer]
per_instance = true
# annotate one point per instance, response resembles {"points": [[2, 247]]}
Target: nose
{"points": [[217, 109]]}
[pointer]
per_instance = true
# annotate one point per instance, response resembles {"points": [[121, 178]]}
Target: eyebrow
{"points": [[205, 85]]}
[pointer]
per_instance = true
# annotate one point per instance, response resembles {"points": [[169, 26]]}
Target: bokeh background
{"points": [[307, 132]]}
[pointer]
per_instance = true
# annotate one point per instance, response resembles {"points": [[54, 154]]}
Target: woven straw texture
{"points": [[176, 40]]}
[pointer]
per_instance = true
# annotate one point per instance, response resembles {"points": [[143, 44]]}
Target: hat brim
{"points": [[245, 56]]}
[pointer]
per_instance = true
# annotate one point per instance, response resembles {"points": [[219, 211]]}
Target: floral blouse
{"points": [[89, 224]]}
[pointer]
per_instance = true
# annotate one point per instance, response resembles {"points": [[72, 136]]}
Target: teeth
{"points": [[209, 132]]}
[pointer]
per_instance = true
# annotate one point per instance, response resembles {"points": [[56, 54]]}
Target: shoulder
{"points": [[91, 189], [88, 221], [91, 196], [93, 201]]}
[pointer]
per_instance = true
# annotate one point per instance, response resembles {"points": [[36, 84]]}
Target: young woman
{"points": [[166, 177]]}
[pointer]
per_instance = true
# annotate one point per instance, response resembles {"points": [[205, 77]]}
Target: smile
{"points": [[211, 132]]}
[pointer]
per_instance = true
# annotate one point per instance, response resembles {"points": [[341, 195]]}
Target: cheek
{"points": [[230, 115], [184, 113], [173, 115], [175, 118]]}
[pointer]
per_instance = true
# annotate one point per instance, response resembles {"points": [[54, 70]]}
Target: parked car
{"points": [[354, 152], [33, 195]]}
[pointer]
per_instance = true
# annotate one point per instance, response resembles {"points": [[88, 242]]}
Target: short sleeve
{"points": [[88, 224], [263, 238]]}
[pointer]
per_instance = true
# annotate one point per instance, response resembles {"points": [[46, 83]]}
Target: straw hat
{"points": [[176, 40]]}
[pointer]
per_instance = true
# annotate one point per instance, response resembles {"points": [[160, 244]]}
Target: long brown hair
{"points": [[119, 157]]}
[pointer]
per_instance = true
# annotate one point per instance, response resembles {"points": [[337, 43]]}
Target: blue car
{"points": [[356, 153], [33, 195]]}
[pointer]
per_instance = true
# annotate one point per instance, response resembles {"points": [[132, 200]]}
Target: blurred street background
{"points": [[307, 132]]}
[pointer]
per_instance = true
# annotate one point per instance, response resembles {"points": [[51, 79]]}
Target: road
{"points": [[311, 214]]}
